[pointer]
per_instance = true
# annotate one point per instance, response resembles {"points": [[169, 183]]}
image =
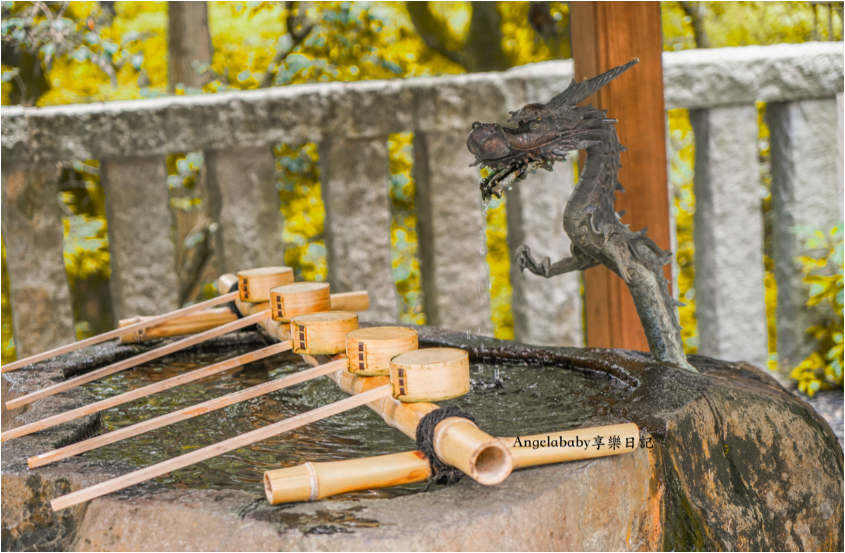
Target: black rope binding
{"points": [[441, 473], [231, 305]]}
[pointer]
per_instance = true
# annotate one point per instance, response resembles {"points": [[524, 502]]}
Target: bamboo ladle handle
{"points": [[184, 414], [144, 391], [137, 360], [220, 448], [118, 332]]}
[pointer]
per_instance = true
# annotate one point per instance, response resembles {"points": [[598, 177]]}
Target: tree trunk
{"points": [[189, 44]]}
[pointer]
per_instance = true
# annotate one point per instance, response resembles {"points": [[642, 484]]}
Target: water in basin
{"points": [[527, 400]]}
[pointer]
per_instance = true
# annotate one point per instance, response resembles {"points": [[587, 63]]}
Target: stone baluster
{"points": [[545, 311], [32, 231], [840, 158], [804, 185], [143, 260], [355, 177], [729, 270], [451, 233], [244, 201]]}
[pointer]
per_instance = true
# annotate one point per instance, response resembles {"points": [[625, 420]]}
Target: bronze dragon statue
{"points": [[543, 134]]}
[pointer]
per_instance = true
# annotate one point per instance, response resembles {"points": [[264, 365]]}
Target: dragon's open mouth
{"points": [[503, 178]]}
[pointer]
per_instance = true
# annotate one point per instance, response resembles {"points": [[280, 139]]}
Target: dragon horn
{"points": [[578, 92]]}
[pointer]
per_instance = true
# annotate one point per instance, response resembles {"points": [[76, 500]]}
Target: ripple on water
{"points": [[527, 400]]}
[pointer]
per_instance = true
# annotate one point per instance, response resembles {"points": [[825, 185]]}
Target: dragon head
{"points": [[544, 133]]}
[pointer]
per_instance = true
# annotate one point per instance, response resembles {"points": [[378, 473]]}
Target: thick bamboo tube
{"points": [[137, 360], [118, 332], [211, 451], [313, 481], [569, 446], [183, 414], [144, 391], [189, 324], [460, 444]]}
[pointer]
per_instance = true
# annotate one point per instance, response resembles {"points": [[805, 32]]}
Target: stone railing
{"points": [[351, 122]]}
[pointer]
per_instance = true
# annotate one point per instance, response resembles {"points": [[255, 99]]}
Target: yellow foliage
{"points": [[303, 210], [822, 369], [681, 150], [749, 23], [498, 261], [355, 41]]}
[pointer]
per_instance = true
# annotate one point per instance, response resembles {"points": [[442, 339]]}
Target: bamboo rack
{"points": [[457, 441]]}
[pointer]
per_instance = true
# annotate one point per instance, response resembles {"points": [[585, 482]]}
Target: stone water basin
{"points": [[737, 463]]}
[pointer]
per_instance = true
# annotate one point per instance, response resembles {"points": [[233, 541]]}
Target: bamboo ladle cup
{"points": [[254, 286], [312, 481], [493, 463]]}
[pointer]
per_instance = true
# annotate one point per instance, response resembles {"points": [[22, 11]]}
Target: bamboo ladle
{"points": [[462, 445], [312, 481], [383, 343]]}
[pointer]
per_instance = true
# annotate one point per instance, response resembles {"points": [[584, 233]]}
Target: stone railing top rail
{"points": [[160, 126]]}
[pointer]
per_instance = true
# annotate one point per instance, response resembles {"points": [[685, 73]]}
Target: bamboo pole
{"points": [[145, 391], [225, 446], [137, 360], [189, 324], [183, 414], [312, 481], [118, 332]]}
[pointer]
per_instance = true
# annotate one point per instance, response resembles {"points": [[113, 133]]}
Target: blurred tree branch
{"points": [[298, 27], [482, 49], [34, 34], [695, 11], [189, 44]]}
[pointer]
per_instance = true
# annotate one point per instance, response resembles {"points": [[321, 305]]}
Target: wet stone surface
{"points": [[738, 463]]}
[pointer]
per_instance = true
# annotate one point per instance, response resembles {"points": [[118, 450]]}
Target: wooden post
{"points": [[604, 35]]}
